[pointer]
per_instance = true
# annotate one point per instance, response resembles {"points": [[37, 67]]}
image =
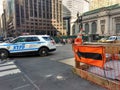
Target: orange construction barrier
{"points": [[93, 55]]}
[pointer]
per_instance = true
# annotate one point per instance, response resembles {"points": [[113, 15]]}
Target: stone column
{"points": [[107, 25], [90, 31], [110, 26], [83, 26], [90, 28], [98, 26], [113, 31], [71, 29]]}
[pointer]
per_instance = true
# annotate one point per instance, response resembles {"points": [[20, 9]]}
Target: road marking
{"points": [[7, 63], [8, 68]]}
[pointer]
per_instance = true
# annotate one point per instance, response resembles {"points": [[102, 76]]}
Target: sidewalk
{"points": [[69, 61]]}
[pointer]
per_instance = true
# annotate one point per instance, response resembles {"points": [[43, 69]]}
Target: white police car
{"points": [[42, 44]]}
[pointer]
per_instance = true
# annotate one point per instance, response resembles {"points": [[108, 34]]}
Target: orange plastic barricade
{"points": [[93, 55]]}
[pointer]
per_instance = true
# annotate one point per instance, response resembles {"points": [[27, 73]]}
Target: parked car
{"points": [[102, 40], [113, 39], [42, 44]]}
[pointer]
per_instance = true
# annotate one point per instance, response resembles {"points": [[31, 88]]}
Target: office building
{"points": [[33, 17]]}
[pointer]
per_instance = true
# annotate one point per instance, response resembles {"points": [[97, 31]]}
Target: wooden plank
{"points": [[109, 84], [109, 48]]}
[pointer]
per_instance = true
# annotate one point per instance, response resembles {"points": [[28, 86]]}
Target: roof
{"points": [[112, 7]]}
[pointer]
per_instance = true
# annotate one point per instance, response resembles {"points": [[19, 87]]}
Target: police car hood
{"points": [[4, 43]]}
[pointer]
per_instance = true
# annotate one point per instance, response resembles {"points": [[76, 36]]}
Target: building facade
{"points": [[94, 4], [103, 21], [33, 17], [71, 8]]}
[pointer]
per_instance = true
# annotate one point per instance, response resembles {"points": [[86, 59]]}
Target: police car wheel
{"points": [[43, 52], [3, 54]]}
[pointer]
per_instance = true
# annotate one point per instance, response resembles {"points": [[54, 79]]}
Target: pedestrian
{"points": [[64, 41], [78, 40]]}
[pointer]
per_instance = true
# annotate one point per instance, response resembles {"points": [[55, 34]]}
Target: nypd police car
{"points": [[42, 44]]}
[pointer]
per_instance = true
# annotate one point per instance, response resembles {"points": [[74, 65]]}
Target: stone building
{"points": [[103, 21]]}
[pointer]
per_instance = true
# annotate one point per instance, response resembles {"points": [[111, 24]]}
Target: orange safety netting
{"points": [[93, 55]]}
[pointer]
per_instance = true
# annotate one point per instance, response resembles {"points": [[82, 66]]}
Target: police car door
{"points": [[18, 45], [32, 43]]}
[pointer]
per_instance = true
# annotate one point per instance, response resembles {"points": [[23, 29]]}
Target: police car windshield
{"points": [[47, 38], [20, 39]]}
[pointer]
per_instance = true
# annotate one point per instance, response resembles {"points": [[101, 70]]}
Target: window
{"points": [[86, 28], [20, 39], [35, 13], [94, 28], [31, 39], [31, 13], [47, 38], [117, 28]]}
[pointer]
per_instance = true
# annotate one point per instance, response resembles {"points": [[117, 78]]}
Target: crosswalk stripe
{"points": [[10, 72], [8, 68], [7, 63]]}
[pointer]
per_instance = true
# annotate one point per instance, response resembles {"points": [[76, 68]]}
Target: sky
{"points": [[1, 8]]}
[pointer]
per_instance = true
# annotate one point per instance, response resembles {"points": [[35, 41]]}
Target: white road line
{"points": [[10, 72], [7, 63], [8, 68]]}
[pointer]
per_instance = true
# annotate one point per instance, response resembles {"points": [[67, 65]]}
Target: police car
{"points": [[42, 44]]}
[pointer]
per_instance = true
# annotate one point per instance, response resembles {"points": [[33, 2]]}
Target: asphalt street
{"points": [[32, 72]]}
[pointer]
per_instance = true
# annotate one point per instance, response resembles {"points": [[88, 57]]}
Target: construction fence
{"points": [[99, 63]]}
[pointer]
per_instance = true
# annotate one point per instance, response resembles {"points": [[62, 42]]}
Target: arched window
{"points": [[86, 28], [117, 28], [94, 28], [73, 29]]}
